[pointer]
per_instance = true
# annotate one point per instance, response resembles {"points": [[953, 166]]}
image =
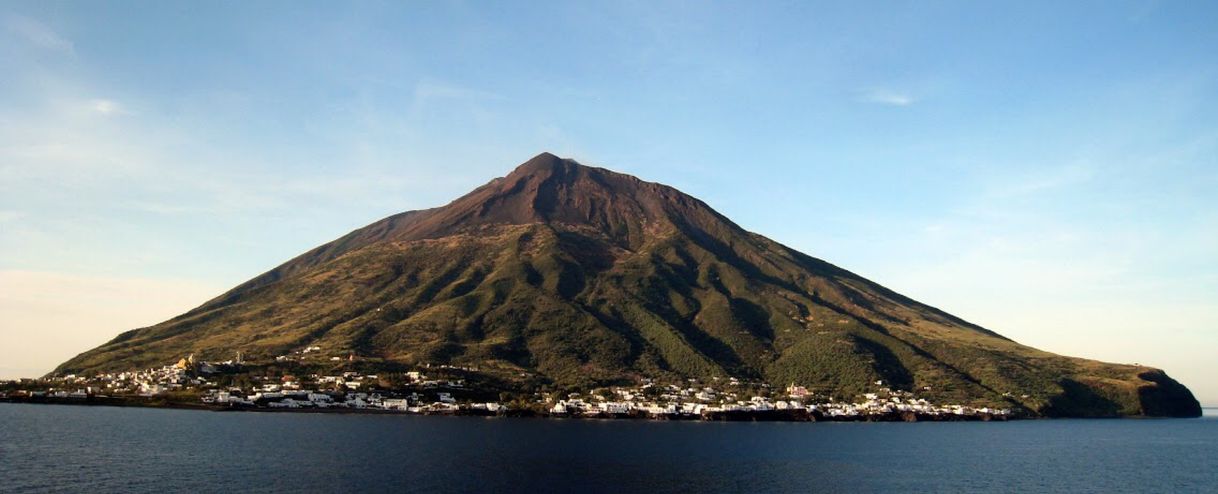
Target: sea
{"points": [[93, 449]]}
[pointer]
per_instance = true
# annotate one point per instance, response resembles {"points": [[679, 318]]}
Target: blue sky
{"points": [[1045, 170]]}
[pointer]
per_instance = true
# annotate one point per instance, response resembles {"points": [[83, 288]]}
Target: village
{"points": [[210, 385]]}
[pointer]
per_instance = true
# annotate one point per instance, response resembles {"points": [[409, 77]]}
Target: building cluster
{"points": [[700, 400], [413, 402], [415, 392], [185, 374], [313, 353], [348, 390]]}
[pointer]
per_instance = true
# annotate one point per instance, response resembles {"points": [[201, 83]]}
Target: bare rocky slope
{"points": [[579, 277]]}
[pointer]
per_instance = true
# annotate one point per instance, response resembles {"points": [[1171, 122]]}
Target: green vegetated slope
{"points": [[582, 277]]}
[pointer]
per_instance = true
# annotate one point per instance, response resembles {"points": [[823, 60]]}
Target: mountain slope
{"points": [[580, 276]]}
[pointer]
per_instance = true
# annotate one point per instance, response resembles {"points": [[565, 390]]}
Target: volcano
{"points": [[578, 277]]}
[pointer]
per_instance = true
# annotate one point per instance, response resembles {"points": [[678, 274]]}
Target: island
{"points": [[569, 290]]}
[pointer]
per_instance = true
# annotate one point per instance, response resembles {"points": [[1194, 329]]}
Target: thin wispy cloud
{"points": [[887, 97], [7, 216], [427, 90], [38, 34], [431, 94], [106, 107], [1043, 181]]}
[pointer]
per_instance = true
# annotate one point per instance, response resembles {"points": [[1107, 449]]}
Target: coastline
{"points": [[735, 416], [732, 416]]}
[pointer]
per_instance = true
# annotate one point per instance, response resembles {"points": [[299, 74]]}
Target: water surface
{"points": [[48, 448]]}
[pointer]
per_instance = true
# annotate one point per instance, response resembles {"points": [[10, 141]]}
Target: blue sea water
{"points": [[48, 448]]}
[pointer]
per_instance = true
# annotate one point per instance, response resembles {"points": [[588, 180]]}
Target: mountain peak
{"points": [[544, 163], [545, 158]]}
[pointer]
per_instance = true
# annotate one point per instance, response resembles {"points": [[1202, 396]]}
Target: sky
{"points": [[1048, 170]]}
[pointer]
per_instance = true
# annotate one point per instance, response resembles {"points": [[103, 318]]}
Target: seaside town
{"points": [[224, 386]]}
